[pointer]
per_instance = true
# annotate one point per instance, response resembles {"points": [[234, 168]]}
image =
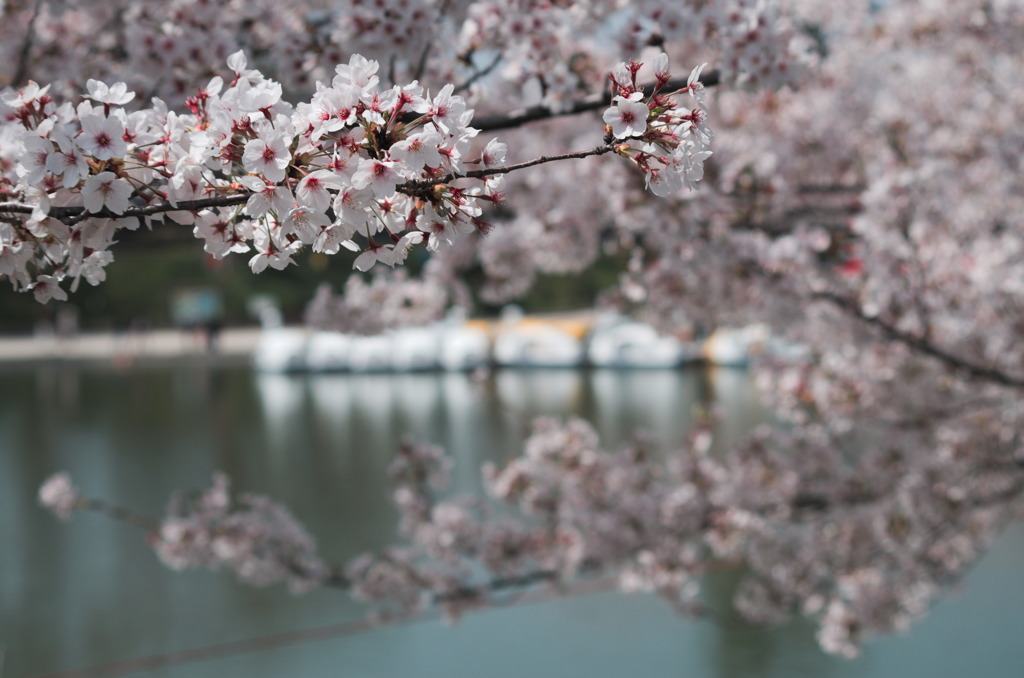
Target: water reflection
{"points": [[91, 592]]}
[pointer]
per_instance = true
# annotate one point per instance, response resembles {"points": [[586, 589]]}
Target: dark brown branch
{"points": [[282, 639], [21, 73], [594, 102], [831, 188], [416, 187], [521, 581], [227, 649], [122, 515], [479, 74], [921, 345], [73, 214]]}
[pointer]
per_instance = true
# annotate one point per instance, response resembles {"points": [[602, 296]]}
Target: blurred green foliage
{"points": [[150, 267], [142, 280]]}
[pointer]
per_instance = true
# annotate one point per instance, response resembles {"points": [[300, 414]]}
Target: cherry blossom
{"points": [[445, 110], [46, 288], [114, 95], [105, 190], [312, 189], [628, 118], [58, 495], [102, 137], [377, 176], [268, 155]]}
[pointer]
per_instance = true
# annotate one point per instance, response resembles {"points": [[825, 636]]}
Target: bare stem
{"points": [[21, 73], [413, 187], [922, 345], [594, 102]]}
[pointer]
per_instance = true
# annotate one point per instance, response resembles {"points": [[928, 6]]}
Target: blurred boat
{"points": [[464, 344], [516, 340], [329, 351], [415, 349], [733, 347], [534, 342], [621, 343], [370, 353], [452, 345], [280, 348]]}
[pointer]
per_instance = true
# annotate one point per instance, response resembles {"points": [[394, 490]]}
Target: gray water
{"points": [[89, 593]]}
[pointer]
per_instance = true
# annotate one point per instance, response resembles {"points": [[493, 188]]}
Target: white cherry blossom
{"points": [[628, 117], [114, 95], [106, 191], [102, 137], [268, 155]]}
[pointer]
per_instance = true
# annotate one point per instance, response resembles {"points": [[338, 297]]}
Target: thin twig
{"points": [[421, 67], [483, 72], [73, 214], [120, 514], [287, 638], [922, 345], [21, 72], [594, 102], [415, 187]]}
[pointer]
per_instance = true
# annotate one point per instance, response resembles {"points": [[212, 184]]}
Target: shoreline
{"points": [[124, 349]]}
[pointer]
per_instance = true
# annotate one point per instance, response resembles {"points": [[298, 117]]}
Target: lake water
{"points": [[90, 593]]}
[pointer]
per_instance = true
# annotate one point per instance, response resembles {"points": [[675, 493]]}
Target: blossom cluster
{"points": [[258, 540], [675, 143], [377, 172], [58, 495], [533, 50], [251, 173]]}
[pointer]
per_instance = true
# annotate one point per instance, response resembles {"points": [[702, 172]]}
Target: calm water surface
{"points": [[89, 592]]}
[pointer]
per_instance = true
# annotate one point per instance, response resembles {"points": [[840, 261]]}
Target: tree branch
{"points": [[21, 72], [415, 187], [73, 214], [594, 102], [118, 513], [479, 74], [893, 333], [921, 345]]}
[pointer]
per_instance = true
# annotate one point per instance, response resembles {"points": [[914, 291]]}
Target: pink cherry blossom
{"points": [[44, 289], [445, 110]]}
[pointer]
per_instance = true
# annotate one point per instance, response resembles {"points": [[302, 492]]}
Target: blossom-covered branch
{"points": [[376, 172]]}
